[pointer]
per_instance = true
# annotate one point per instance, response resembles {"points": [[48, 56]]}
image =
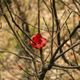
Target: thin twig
{"points": [[76, 5], [46, 6], [52, 31], [65, 4], [67, 67], [38, 16], [28, 58], [46, 26], [77, 2], [41, 51]]}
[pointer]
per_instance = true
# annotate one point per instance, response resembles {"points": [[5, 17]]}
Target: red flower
{"points": [[20, 65], [39, 40]]}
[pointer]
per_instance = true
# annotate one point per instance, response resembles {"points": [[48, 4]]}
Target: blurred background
{"points": [[27, 10]]}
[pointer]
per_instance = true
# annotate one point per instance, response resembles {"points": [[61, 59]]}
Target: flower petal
{"points": [[38, 46], [43, 42], [38, 35], [33, 38]]}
